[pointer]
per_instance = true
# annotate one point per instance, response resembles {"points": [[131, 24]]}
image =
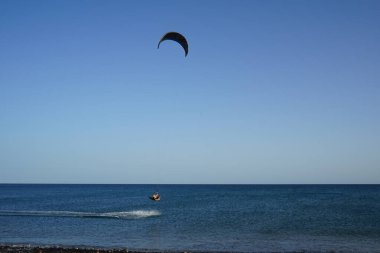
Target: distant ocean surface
{"points": [[239, 218]]}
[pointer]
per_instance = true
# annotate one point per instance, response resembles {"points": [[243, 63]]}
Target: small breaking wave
{"points": [[136, 214]]}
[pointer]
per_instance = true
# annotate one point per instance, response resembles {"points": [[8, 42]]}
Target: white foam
{"points": [[135, 214]]}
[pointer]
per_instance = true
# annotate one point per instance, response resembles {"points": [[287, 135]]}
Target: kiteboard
{"points": [[154, 199]]}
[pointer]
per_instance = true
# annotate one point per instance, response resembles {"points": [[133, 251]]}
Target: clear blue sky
{"points": [[271, 92]]}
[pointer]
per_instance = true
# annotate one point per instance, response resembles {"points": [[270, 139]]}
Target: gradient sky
{"points": [[271, 92]]}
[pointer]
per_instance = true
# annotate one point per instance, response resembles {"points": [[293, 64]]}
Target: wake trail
{"points": [[135, 214]]}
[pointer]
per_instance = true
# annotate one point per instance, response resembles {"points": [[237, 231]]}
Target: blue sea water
{"points": [[239, 218]]}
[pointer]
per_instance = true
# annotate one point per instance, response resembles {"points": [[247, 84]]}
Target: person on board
{"points": [[155, 196]]}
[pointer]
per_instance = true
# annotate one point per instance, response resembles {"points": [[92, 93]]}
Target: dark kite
{"points": [[177, 37]]}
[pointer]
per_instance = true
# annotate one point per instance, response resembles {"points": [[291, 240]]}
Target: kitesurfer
{"points": [[155, 196]]}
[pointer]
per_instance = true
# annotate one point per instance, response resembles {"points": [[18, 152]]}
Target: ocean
{"points": [[234, 218]]}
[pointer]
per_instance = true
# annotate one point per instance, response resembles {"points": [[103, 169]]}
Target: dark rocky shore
{"points": [[59, 249]]}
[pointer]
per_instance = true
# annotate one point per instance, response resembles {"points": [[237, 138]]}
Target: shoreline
{"points": [[29, 248]]}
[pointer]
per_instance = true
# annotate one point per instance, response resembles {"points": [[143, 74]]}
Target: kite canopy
{"points": [[177, 38]]}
